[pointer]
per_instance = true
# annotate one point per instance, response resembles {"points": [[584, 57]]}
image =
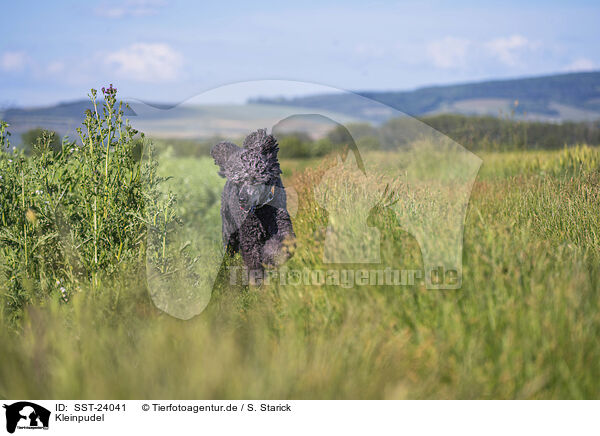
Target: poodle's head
{"points": [[253, 170]]}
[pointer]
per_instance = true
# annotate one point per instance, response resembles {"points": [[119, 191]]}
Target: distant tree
{"points": [[32, 137], [340, 136], [295, 145], [361, 130]]}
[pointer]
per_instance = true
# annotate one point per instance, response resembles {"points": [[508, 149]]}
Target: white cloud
{"points": [[509, 49], [449, 52], [13, 61], [581, 64], [452, 52], [131, 8], [146, 62]]}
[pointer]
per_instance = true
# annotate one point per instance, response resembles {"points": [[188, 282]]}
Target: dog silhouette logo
{"points": [[362, 177], [26, 415]]}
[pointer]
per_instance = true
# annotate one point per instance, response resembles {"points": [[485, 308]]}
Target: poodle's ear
{"points": [[259, 140], [221, 154]]}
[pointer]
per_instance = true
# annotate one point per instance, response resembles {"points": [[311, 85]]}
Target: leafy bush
{"points": [[30, 139], [298, 145], [70, 217], [295, 146]]}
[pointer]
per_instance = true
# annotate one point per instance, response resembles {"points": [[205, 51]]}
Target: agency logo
{"points": [[369, 168], [26, 415]]}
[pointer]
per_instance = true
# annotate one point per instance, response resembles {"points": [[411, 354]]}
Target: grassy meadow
{"points": [[525, 323]]}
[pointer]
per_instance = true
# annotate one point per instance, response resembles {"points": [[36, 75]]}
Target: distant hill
{"points": [[62, 118], [566, 97], [574, 97], [166, 121]]}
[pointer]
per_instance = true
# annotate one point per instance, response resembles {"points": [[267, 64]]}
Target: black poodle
{"points": [[253, 204]]}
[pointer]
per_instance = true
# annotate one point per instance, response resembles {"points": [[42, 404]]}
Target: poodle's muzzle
{"points": [[254, 196]]}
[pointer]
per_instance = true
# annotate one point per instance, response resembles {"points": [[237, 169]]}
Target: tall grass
{"points": [[524, 324]]}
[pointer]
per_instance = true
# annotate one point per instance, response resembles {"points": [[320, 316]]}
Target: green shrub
{"points": [[70, 217], [31, 137]]}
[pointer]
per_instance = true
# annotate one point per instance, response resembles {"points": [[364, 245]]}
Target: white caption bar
{"points": [[300, 417]]}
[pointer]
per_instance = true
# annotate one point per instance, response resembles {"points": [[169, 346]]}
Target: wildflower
{"points": [[110, 90]]}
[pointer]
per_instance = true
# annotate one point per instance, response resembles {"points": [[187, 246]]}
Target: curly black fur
{"points": [[253, 203]]}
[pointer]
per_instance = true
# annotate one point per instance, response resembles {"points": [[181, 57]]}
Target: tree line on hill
{"points": [[473, 132]]}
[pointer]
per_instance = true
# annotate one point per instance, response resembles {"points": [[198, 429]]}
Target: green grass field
{"points": [[525, 323]]}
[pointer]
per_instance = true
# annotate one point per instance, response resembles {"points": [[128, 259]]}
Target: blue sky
{"points": [[170, 51]]}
